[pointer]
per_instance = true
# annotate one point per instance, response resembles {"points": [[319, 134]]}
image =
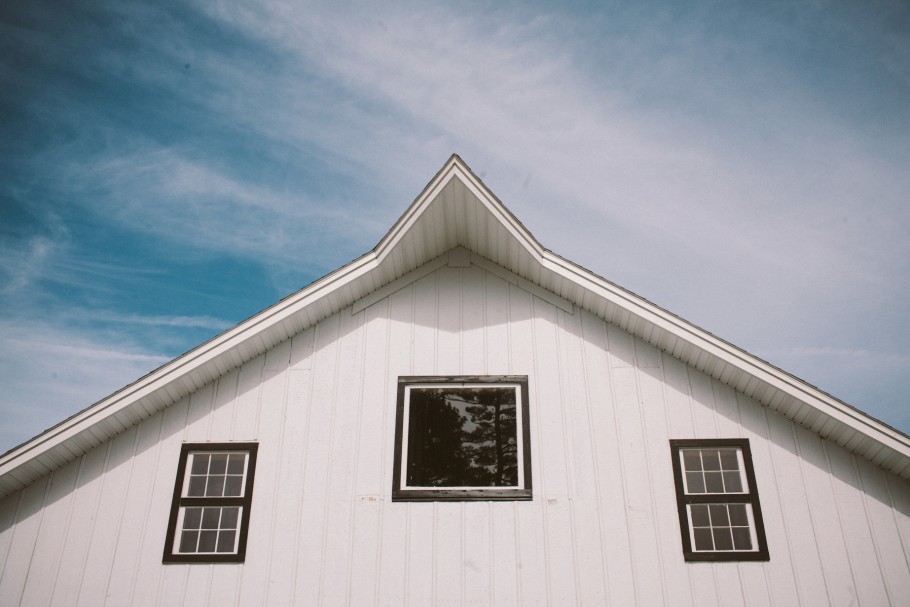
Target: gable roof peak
{"points": [[457, 209]]}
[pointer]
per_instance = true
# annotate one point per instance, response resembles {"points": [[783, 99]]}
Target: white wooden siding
{"points": [[602, 527]]}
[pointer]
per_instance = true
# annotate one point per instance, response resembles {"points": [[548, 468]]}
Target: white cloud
{"points": [[188, 322], [49, 372], [23, 265], [199, 205], [893, 361], [507, 89], [874, 380], [26, 260]]}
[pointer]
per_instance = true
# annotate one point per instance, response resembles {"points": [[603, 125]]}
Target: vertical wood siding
{"points": [[602, 528]]}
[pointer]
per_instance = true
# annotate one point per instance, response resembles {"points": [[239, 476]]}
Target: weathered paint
{"points": [[602, 527]]}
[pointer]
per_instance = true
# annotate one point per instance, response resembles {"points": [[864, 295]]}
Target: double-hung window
{"points": [[462, 438], [210, 511], [719, 514]]}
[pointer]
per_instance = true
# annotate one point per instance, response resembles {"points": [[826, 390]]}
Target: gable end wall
{"points": [[602, 526]]}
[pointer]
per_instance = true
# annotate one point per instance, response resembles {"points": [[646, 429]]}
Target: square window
{"points": [[719, 514], [462, 438], [210, 511]]}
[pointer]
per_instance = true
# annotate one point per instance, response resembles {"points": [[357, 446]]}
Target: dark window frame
{"points": [[684, 499], [179, 501], [462, 495]]}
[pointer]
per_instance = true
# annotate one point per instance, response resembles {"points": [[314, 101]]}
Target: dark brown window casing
{"points": [[719, 512], [462, 438], [215, 508]]}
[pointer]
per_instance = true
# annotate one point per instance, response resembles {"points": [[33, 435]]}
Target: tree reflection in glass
{"points": [[462, 437]]}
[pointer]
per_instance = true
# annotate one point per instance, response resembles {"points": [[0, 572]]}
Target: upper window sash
{"points": [[206, 477], [711, 470]]}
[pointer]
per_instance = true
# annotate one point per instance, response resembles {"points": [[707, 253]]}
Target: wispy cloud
{"points": [[48, 372], [21, 266], [516, 96], [164, 193], [858, 356], [190, 322], [874, 380], [27, 258]]}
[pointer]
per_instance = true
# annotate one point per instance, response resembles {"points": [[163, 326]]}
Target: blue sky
{"points": [[168, 169]]}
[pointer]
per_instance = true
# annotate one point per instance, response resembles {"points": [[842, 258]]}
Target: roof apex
{"points": [[456, 169]]}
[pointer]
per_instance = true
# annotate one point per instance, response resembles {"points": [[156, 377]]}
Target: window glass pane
{"points": [[192, 518], [710, 459], [719, 516], [188, 541], [207, 541], [728, 459], [742, 538], [215, 487], [738, 516], [700, 515], [235, 463], [695, 482], [226, 541], [229, 518], [714, 482], [233, 485], [197, 486], [210, 518], [722, 539], [732, 482], [218, 464], [703, 539], [462, 437], [692, 459], [200, 464]]}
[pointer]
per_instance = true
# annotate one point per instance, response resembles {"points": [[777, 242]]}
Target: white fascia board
{"points": [[730, 354]]}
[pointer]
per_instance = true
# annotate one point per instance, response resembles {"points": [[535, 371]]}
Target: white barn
{"points": [[460, 417]]}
